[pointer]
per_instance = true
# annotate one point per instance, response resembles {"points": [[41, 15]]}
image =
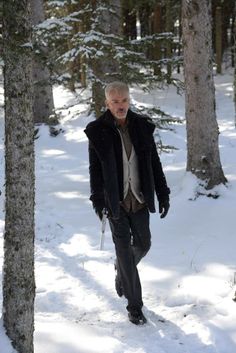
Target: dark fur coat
{"points": [[106, 163]]}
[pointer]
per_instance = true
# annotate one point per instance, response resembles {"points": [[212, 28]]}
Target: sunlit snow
{"points": [[189, 275]]}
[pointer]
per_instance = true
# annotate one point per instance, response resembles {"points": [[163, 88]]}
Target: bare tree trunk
{"points": [[82, 61], [73, 65], [203, 158], [18, 270], [144, 11], [235, 66], [218, 39], [157, 28], [129, 17], [105, 69], [1, 15], [179, 36], [169, 43], [43, 95], [232, 40]]}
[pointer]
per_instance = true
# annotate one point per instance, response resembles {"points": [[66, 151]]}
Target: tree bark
{"points": [[169, 43], [218, 39], [157, 28], [105, 69], [18, 269], [203, 158], [82, 61], [235, 68], [232, 36], [144, 10], [43, 95], [73, 65], [129, 17]]}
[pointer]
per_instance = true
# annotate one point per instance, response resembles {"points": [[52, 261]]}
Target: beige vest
{"points": [[130, 173]]}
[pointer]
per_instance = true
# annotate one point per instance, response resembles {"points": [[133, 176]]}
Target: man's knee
{"points": [[140, 251], [143, 243], [146, 247]]}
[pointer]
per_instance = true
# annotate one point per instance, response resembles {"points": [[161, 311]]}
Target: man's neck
{"points": [[121, 122]]}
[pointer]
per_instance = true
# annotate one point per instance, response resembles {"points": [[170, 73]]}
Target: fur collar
{"points": [[103, 132]]}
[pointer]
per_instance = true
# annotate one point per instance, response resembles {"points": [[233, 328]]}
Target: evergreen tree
{"points": [[104, 65], [107, 53]]}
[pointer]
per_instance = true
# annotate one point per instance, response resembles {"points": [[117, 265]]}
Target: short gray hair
{"points": [[116, 86]]}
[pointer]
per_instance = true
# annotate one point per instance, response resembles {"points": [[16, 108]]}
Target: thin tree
{"points": [[169, 25], [105, 67], [203, 157], [129, 18], [43, 106], [235, 67], [157, 28], [18, 271], [218, 39]]}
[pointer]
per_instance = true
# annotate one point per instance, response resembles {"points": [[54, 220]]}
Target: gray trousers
{"points": [[132, 238]]}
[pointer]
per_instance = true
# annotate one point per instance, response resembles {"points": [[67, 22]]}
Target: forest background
{"points": [[82, 45]]}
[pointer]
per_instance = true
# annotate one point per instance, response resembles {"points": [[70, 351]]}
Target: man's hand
{"points": [[100, 212], [164, 208]]}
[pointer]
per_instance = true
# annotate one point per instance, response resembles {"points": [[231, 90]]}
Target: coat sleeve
{"points": [[161, 187], [96, 179]]}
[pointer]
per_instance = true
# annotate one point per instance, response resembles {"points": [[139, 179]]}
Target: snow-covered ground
{"points": [[189, 275]]}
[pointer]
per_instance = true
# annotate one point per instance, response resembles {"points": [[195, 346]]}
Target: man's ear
{"points": [[106, 104]]}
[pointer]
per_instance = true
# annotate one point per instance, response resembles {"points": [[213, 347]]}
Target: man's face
{"points": [[118, 103]]}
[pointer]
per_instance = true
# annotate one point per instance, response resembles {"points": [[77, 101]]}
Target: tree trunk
{"points": [[169, 43], [129, 18], [82, 61], [179, 36], [18, 270], [232, 37], [203, 158], [74, 64], [43, 96], [144, 10], [218, 39], [157, 28], [105, 69], [235, 68]]}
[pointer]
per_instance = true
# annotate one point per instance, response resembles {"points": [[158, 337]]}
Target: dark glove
{"points": [[100, 211], [98, 206], [164, 206]]}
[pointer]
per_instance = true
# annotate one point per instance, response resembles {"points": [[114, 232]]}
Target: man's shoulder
{"points": [[99, 128], [95, 123], [92, 124], [142, 120]]}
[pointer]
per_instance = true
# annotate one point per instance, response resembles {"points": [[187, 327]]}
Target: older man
{"points": [[125, 173]]}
